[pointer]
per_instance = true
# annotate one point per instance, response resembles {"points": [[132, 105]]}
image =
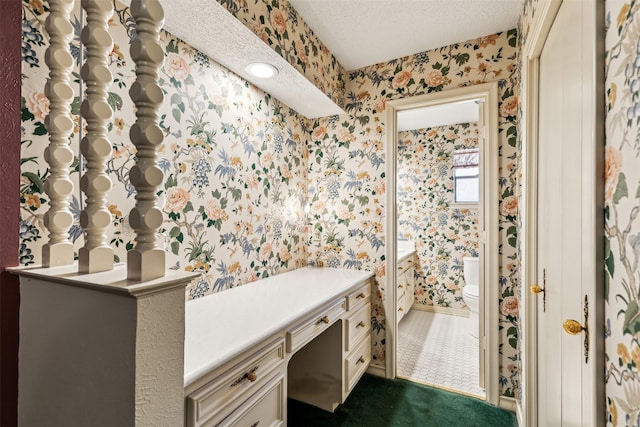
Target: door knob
{"points": [[572, 327], [536, 289]]}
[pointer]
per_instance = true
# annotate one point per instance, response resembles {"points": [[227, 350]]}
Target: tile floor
{"points": [[436, 349]]}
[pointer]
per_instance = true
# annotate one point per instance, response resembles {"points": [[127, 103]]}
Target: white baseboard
{"points": [[508, 403], [462, 312], [376, 370], [519, 415]]}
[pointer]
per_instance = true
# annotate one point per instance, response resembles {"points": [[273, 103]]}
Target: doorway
{"points": [[485, 97]]}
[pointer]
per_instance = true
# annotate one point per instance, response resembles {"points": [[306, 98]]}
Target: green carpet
{"points": [[379, 402]]}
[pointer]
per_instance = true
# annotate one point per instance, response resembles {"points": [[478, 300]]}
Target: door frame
{"points": [[488, 222], [530, 75]]}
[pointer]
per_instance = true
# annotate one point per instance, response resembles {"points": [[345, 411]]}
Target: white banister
{"points": [[147, 260], [58, 186], [96, 254]]}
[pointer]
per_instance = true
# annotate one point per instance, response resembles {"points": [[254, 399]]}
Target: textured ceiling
{"points": [[366, 32]]}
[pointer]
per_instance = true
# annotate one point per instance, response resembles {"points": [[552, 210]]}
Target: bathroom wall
{"points": [[347, 172], [442, 232], [234, 159]]}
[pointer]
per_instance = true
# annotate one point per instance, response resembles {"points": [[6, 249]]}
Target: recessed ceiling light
{"points": [[261, 70]]}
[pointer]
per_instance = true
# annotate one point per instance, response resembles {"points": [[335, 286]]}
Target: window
{"points": [[466, 176]]}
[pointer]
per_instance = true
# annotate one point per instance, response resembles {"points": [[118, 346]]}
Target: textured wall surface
{"points": [[9, 205], [443, 233]]}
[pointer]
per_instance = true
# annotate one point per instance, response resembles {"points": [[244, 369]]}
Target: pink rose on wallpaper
{"points": [[302, 55], [278, 21], [38, 105], [252, 181], [488, 40], [380, 104], [214, 211], [176, 66], [285, 255], [259, 31], [434, 78], [612, 168], [432, 134], [509, 106], [266, 159], [510, 306], [345, 136], [509, 206], [450, 135], [401, 79], [265, 252], [319, 133], [176, 199]]}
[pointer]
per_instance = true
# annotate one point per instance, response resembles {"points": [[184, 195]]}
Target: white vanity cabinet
{"points": [[405, 283], [305, 334]]}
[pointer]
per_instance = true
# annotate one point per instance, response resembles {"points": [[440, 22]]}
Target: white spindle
{"points": [[96, 254], [58, 186], [146, 261]]}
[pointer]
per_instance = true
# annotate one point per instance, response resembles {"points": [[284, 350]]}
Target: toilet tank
{"points": [[471, 270]]}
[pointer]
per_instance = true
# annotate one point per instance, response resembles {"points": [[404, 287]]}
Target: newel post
{"points": [[147, 260]]}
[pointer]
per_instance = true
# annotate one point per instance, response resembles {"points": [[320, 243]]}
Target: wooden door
{"points": [[568, 223]]}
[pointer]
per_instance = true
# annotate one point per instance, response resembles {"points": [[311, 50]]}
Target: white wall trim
{"points": [[509, 404], [462, 312], [543, 20], [489, 297], [376, 370], [519, 415]]}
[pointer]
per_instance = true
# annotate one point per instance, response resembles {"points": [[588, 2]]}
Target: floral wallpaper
{"points": [[234, 161], [622, 205], [278, 24], [239, 166], [347, 173], [442, 232]]}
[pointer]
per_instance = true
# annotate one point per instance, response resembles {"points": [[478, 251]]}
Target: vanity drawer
{"points": [[308, 330], [204, 404], [358, 296], [358, 325], [265, 408], [356, 363], [405, 265]]}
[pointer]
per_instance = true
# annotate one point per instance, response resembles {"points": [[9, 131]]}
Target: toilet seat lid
{"points": [[472, 291]]}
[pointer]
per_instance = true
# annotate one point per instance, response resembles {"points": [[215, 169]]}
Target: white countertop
{"points": [[221, 326], [404, 254]]}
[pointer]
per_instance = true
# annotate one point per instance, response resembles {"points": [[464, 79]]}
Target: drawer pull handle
{"points": [[360, 325], [255, 424], [401, 309], [249, 375], [324, 320], [361, 360], [400, 286], [360, 295]]}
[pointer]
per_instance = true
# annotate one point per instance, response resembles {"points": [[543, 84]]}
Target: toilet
{"points": [[471, 292]]}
